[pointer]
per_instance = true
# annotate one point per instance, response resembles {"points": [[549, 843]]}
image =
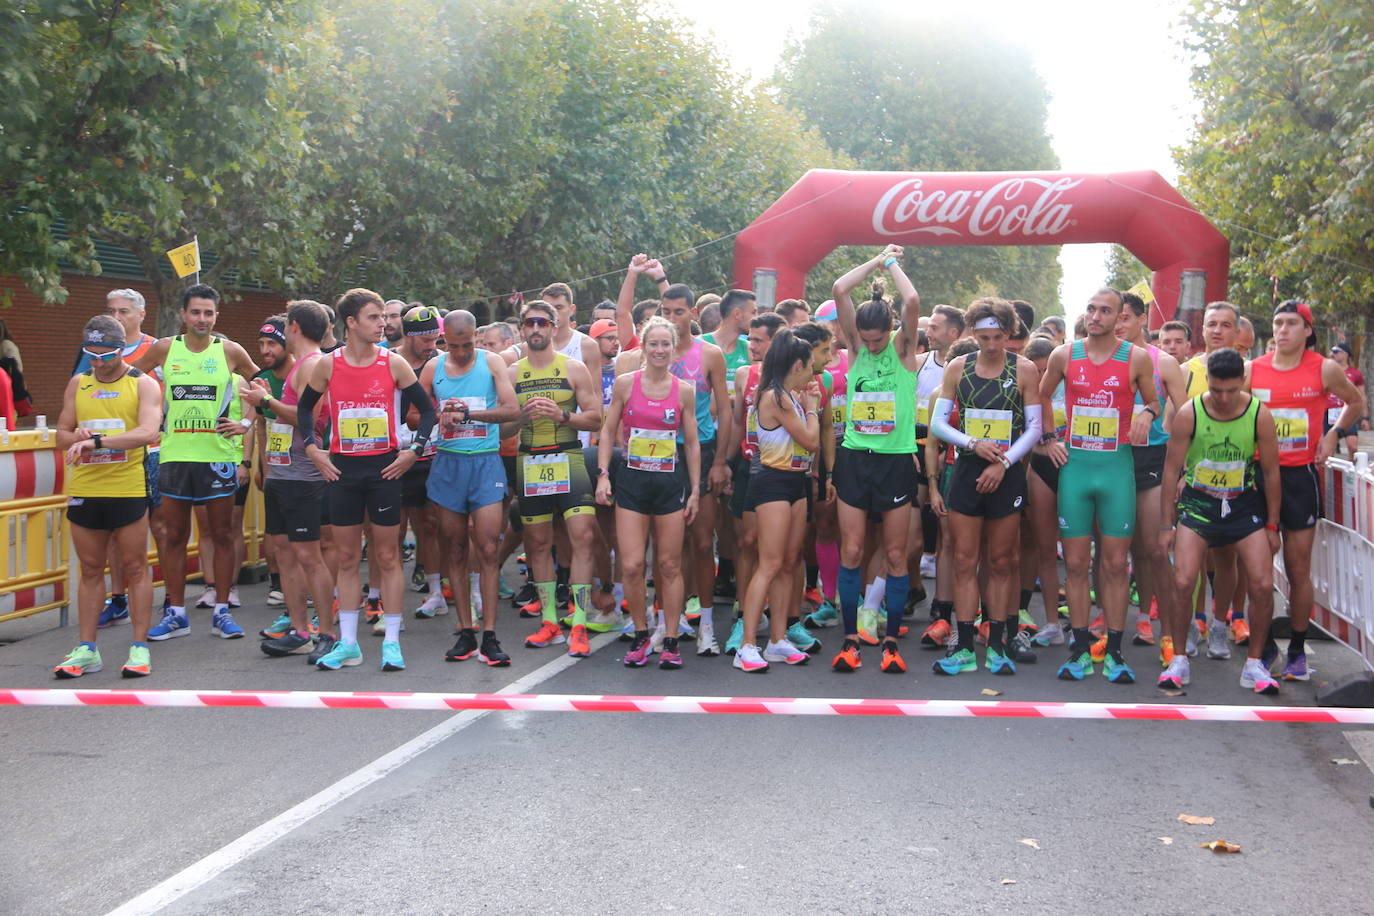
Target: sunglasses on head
{"points": [[102, 357], [535, 321], [424, 313]]}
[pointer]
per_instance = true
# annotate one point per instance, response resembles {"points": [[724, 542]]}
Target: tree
{"points": [[1124, 269], [916, 94], [1283, 151]]}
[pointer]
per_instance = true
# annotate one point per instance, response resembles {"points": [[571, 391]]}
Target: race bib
{"points": [[989, 424], [801, 458], [1061, 416], [751, 432], [837, 405], [1333, 414], [873, 413], [652, 450], [279, 437], [547, 475], [104, 427], [922, 418], [730, 384], [472, 429], [363, 429], [1291, 425], [1220, 479], [1095, 429]]}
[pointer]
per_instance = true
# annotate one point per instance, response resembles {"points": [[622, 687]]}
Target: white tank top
{"points": [[573, 350]]}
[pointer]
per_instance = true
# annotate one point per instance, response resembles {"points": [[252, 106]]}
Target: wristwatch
{"points": [[566, 416], [417, 448], [96, 438]]}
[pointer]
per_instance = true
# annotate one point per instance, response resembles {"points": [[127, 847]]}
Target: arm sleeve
{"points": [[415, 394], [1028, 439], [305, 416], [939, 425]]}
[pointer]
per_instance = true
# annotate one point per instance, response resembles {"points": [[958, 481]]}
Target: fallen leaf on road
{"points": [[1008, 880], [1197, 821], [988, 692], [1033, 844], [1174, 693], [1220, 846], [1166, 840], [1344, 762]]}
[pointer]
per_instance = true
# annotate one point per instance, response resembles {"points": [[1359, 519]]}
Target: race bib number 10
{"points": [[1095, 429]]}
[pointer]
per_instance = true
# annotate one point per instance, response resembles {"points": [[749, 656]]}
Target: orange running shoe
{"points": [[1154, 608], [578, 643], [935, 635], [446, 588], [984, 629], [813, 595], [892, 660], [1240, 631], [374, 610], [849, 658], [548, 634], [1144, 633], [1098, 627], [1166, 651], [1099, 649], [534, 609]]}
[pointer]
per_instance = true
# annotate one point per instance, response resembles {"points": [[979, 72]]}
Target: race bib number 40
{"points": [[363, 429], [873, 413], [1291, 425], [547, 475], [652, 450], [1095, 429]]}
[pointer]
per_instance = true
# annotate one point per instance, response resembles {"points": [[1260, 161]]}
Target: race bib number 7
{"points": [[652, 450]]}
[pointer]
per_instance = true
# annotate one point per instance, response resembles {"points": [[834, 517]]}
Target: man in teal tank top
{"points": [[202, 452]]}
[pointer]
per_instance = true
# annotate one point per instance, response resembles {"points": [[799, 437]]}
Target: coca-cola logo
{"points": [[1015, 206]]}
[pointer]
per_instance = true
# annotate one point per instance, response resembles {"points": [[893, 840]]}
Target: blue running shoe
{"points": [[1296, 669], [1118, 672], [736, 637], [277, 628], [823, 617], [799, 637], [113, 614], [391, 657], [172, 624], [343, 655], [225, 626], [1269, 655], [998, 663], [959, 661], [1077, 667]]}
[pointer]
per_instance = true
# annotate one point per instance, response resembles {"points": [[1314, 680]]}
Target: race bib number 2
{"points": [[547, 475], [989, 424]]}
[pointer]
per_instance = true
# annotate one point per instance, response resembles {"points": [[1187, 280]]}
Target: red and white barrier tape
{"points": [[783, 706]]}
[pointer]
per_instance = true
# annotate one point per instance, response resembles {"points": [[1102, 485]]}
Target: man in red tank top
{"points": [[1294, 382]]}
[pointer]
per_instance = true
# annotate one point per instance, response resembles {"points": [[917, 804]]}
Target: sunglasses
{"points": [[100, 357], [535, 322], [424, 313]]}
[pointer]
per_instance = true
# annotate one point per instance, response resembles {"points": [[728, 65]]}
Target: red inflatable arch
{"points": [[1140, 210]]}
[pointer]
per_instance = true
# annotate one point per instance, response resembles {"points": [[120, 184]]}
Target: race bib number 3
{"points": [[1291, 425], [1095, 429], [652, 450], [363, 429], [989, 424], [547, 475], [279, 437], [873, 413], [104, 455]]}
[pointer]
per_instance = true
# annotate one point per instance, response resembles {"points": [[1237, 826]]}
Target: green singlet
{"points": [[882, 402], [198, 390]]}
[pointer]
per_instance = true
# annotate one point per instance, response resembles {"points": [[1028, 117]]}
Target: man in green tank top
{"points": [[1218, 442], [202, 452]]}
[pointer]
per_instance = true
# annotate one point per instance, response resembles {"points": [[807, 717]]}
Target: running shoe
{"points": [[579, 646], [140, 663], [1117, 671], [379, 627], [526, 594], [928, 566], [341, 655], [391, 657], [892, 662], [670, 659], [417, 580], [1240, 631], [292, 642], [1051, 634], [1154, 608], [277, 628], [748, 659], [532, 610], [1144, 633], [868, 626], [374, 610], [902, 629], [914, 599], [113, 614], [1176, 676], [784, 651], [1269, 654], [234, 597], [1020, 650], [707, 647], [562, 596], [1135, 593], [983, 631], [800, 637], [548, 634], [822, 617], [956, 661], [434, 606], [491, 654], [1025, 622], [463, 647], [692, 610], [324, 644], [1254, 676], [656, 637], [849, 658], [998, 663], [605, 622], [1194, 635], [446, 589], [275, 598], [685, 630], [724, 587], [1098, 651], [1076, 668], [208, 598], [1166, 651], [935, 635], [79, 661], [1099, 626], [172, 625], [736, 637], [503, 590], [1296, 669], [1216, 643], [813, 597], [640, 651]]}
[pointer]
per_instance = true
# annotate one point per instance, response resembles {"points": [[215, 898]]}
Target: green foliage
{"points": [[916, 94], [1124, 269]]}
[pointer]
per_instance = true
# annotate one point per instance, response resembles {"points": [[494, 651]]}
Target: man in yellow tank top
{"points": [[110, 414]]}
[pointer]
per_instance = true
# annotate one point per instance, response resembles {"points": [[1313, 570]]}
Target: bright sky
{"points": [[1119, 86]]}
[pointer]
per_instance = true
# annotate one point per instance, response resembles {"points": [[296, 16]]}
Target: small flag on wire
{"points": [[516, 298]]}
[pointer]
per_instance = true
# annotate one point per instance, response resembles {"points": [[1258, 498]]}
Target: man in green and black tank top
{"points": [[1224, 444], [201, 452]]}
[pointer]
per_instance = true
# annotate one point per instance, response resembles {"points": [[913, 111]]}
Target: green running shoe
{"points": [[79, 661], [343, 655], [1077, 667], [998, 663], [391, 657], [736, 637], [800, 637], [959, 661], [140, 663], [823, 617], [1118, 672], [277, 628]]}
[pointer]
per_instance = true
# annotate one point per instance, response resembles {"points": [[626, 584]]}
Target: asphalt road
{"points": [[627, 813]]}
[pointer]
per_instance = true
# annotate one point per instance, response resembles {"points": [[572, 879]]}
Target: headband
{"points": [[988, 324], [94, 338], [273, 331], [425, 321]]}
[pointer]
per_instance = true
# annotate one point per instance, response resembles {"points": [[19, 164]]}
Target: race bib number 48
{"points": [[547, 475]]}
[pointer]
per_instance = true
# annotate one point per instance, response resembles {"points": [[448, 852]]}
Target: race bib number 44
{"points": [[1095, 429], [1220, 479], [873, 413], [547, 475]]}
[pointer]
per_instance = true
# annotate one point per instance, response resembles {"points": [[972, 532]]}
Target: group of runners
{"points": [[812, 467]]}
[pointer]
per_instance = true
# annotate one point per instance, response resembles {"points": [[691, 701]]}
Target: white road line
{"points": [[226, 857], [1363, 743]]}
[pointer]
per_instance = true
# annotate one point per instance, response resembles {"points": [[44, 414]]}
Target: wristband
{"points": [[1151, 409], [1049, 437], [602, 472], [889, 261], [246, 464], [246, 422], [1269, 527]]}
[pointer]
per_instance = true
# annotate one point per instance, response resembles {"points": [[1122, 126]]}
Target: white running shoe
{"points": [[234, 597], [1051, 634], [379, 628], [475, 593], [928, 566], [1216, 641], [1254, 676], [747, 659], [207, 599], [434, 606], [1193, 635], [784, 651], [706, 640], [1177, 675]]}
